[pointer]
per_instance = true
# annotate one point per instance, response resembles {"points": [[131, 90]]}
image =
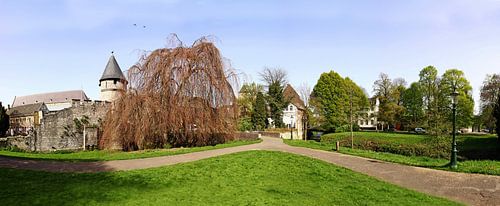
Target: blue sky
{"points": [[55, 45]]}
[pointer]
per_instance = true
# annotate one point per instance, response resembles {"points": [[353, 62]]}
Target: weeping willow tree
{"points": [[178, 96]]}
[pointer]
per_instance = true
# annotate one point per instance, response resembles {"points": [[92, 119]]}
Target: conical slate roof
{"points": [[112, 70]]}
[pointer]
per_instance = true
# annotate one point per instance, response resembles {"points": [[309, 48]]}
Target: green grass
{"points": [[490, 167], [470, 147], [104, 155], [246, 178], [381, 136]]}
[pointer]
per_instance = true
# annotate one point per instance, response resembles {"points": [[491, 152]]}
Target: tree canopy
{"points": [[276, 79], [490, 91], [331, 96]]}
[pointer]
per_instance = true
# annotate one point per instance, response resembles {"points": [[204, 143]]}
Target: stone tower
{"points": [[112, 83]]}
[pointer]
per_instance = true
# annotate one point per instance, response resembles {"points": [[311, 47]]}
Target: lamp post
{"points": [[454, 100]]}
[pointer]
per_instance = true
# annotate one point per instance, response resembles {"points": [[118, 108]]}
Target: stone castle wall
{"points": [[58, 129]]}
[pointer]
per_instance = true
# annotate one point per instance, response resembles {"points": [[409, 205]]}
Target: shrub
{"points": [[435, 147], [245, 124]]}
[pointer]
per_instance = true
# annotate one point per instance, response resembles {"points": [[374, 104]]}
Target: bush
{"points": [[435, 147], [245, 124]]}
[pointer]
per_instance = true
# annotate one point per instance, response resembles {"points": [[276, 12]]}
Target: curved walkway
{"points": [[472, 189]]}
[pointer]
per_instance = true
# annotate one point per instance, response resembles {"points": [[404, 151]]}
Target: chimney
{"points": [[8, 106]]}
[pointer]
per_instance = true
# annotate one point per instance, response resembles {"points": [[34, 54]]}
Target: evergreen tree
{"points": [[276, 81], [276, 104], [4, 120], [259, 113]]}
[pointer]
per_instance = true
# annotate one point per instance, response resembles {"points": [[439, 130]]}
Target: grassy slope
{"points": [[103, 155], [484, 166], [246, 178], [388, 137]]}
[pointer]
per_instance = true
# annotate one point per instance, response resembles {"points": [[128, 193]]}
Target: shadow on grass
{"points": [[23, 187], [477, 148]]}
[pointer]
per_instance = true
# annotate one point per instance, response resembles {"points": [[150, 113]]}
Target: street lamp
{"points": [[454, 101]]}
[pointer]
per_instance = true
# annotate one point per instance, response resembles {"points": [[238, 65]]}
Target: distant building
{"points": [[368, 118], [294, 113], [24, 118], [28, 111], [54, 101], [112, 83]]}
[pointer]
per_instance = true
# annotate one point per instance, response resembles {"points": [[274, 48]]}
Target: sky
{"points": [[57, 45]]}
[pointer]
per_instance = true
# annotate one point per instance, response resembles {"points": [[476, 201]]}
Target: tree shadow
{"points": [[474, 148], [25, 187]]}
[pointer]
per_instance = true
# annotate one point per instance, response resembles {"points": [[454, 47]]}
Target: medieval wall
{"points": [[58, 130]]}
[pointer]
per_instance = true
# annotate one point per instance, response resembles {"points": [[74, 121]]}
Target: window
{"points": [[372, 122], [291, 108]]}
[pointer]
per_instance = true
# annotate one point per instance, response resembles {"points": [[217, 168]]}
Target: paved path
{"points": [[472, 189]]}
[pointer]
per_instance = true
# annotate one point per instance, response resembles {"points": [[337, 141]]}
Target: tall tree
{"points": [[276, 79], [414, 106], [496, 114], [247, 96], [455, 79], [429, 85], [4, 120], [490, 90], [259, 113], [331, 97], [389, 94]]}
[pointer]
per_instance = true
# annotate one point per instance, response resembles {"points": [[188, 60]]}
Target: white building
{"points": [[294, 113], [368, 118]]}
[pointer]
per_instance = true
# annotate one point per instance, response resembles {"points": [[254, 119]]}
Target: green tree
{"points": [[276, 80], [389, 94], [331, 99], [259, 113], [429, 85], [490, 90], [4, 120], [246, 98], [455, 79], [414, 106], [496, 114]]}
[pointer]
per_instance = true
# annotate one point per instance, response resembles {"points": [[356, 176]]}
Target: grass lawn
{"points": [[490, 167], [246, 178], [103, 155]]}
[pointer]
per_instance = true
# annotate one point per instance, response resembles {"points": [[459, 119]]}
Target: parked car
{"points": [[419, 130]]}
